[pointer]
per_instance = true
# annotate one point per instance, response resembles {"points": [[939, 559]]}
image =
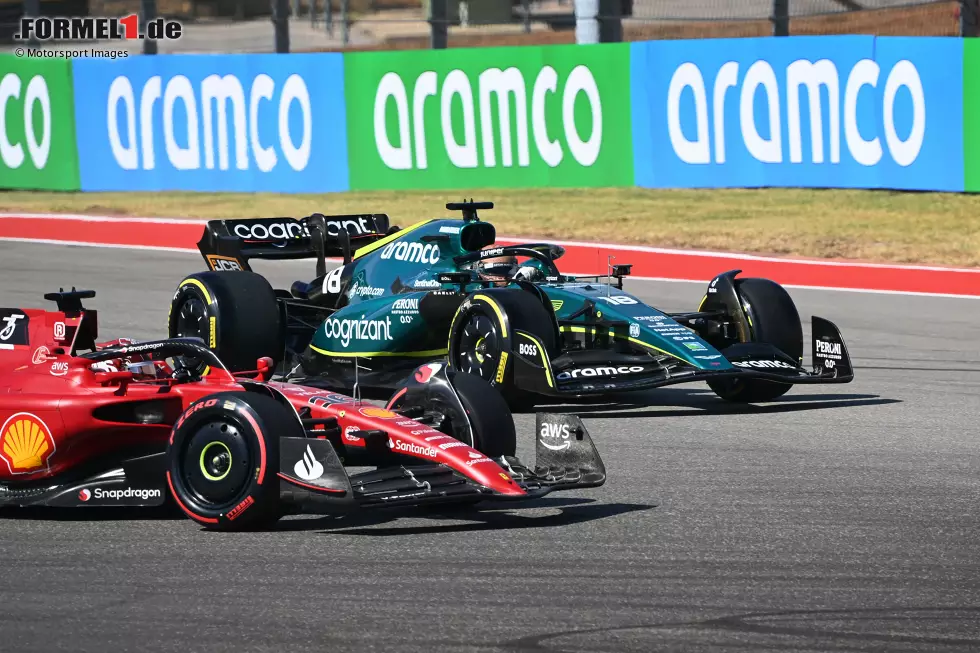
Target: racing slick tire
{"points": [[774, 320], [235, 313], [489, 417], [482, 343], [491, 422], [223, 458], [494, 433]]}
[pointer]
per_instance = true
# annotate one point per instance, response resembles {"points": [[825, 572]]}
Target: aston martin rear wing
{"points": [[229, 244]]}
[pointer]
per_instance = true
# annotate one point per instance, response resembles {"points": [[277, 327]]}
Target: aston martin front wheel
{"points": [[774, 320]]}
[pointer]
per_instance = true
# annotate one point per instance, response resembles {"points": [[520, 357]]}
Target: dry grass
{"points": [[869, 225]]}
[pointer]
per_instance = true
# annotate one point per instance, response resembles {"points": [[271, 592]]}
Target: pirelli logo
{"points": [[502, 368]]}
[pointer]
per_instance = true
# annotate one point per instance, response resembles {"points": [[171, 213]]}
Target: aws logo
{"points": [[26, 443]]}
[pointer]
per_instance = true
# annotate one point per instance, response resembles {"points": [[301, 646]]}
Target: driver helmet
{"points": [[503, 267]]}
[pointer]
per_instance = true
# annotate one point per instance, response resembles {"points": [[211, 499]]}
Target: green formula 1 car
{"points": [[441, 289]]}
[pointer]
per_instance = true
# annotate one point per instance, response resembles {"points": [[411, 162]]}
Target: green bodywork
{"points": [[386, 281], [649, 329]]}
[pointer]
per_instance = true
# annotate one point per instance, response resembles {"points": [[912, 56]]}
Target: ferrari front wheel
{"points": [[223, 457]]}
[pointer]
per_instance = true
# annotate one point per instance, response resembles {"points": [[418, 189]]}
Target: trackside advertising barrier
{"points": [[212, 123], [497, 117], [838, 111], [819, 112], [971, 114], [37, 128]]}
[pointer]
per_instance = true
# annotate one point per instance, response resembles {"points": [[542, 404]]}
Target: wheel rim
{"points": [[479, 347], [192, 322], [192, 319], [216, 463]]}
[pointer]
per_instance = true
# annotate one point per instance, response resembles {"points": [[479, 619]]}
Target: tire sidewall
{"points": [[509, 309], [474, 306], [193, 289], [774, 320], [244, 322], [259, 495], [491, 421]]}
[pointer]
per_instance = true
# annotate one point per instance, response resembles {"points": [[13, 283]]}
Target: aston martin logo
{"points": [[26, 444]]}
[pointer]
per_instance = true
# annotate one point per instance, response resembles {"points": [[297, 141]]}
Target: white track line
{"points": [[180, 250], [566, 243]]}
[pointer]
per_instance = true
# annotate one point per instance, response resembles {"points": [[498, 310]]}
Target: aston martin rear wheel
{"points": [[481, 338], [236, 314], [480, 346]]}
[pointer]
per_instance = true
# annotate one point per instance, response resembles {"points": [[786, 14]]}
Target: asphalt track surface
{"points": [[839, 518]]}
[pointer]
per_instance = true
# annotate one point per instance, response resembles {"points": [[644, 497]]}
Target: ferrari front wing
{"points": [[314, 480]]}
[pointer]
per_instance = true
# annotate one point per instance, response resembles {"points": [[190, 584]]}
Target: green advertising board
{"points": [[37, 133], [500, 117], [971, 110]]}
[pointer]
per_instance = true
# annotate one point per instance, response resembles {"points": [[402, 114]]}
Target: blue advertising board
{"points": [[829, 111], [212, 123]]}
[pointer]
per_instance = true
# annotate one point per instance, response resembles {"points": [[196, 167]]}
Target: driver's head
{"points": [[499, 266]]}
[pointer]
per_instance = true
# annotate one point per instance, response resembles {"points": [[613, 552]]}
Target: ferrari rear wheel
{"points": [[223, 458], [774, 320]]}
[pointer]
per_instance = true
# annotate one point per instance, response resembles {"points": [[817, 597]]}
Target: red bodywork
{"points": [[57, 412]]}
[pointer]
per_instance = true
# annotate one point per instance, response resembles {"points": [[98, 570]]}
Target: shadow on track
{"points": [[107, 513], [692, 402], [489, 517]]}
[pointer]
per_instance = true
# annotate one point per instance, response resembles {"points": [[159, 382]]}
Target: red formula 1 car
{"points": [[129, 424]]}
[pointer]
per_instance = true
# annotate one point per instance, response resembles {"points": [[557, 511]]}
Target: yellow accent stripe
{"points": [[367, 249], [372, 354], [496, 309], [212, 331], [451, 325], [703, 300], [544, 356], [502, 368], [200, 286], [575, 329]]}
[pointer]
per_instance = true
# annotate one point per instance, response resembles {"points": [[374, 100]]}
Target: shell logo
{"points": [[26, 443], [378, 412]]}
